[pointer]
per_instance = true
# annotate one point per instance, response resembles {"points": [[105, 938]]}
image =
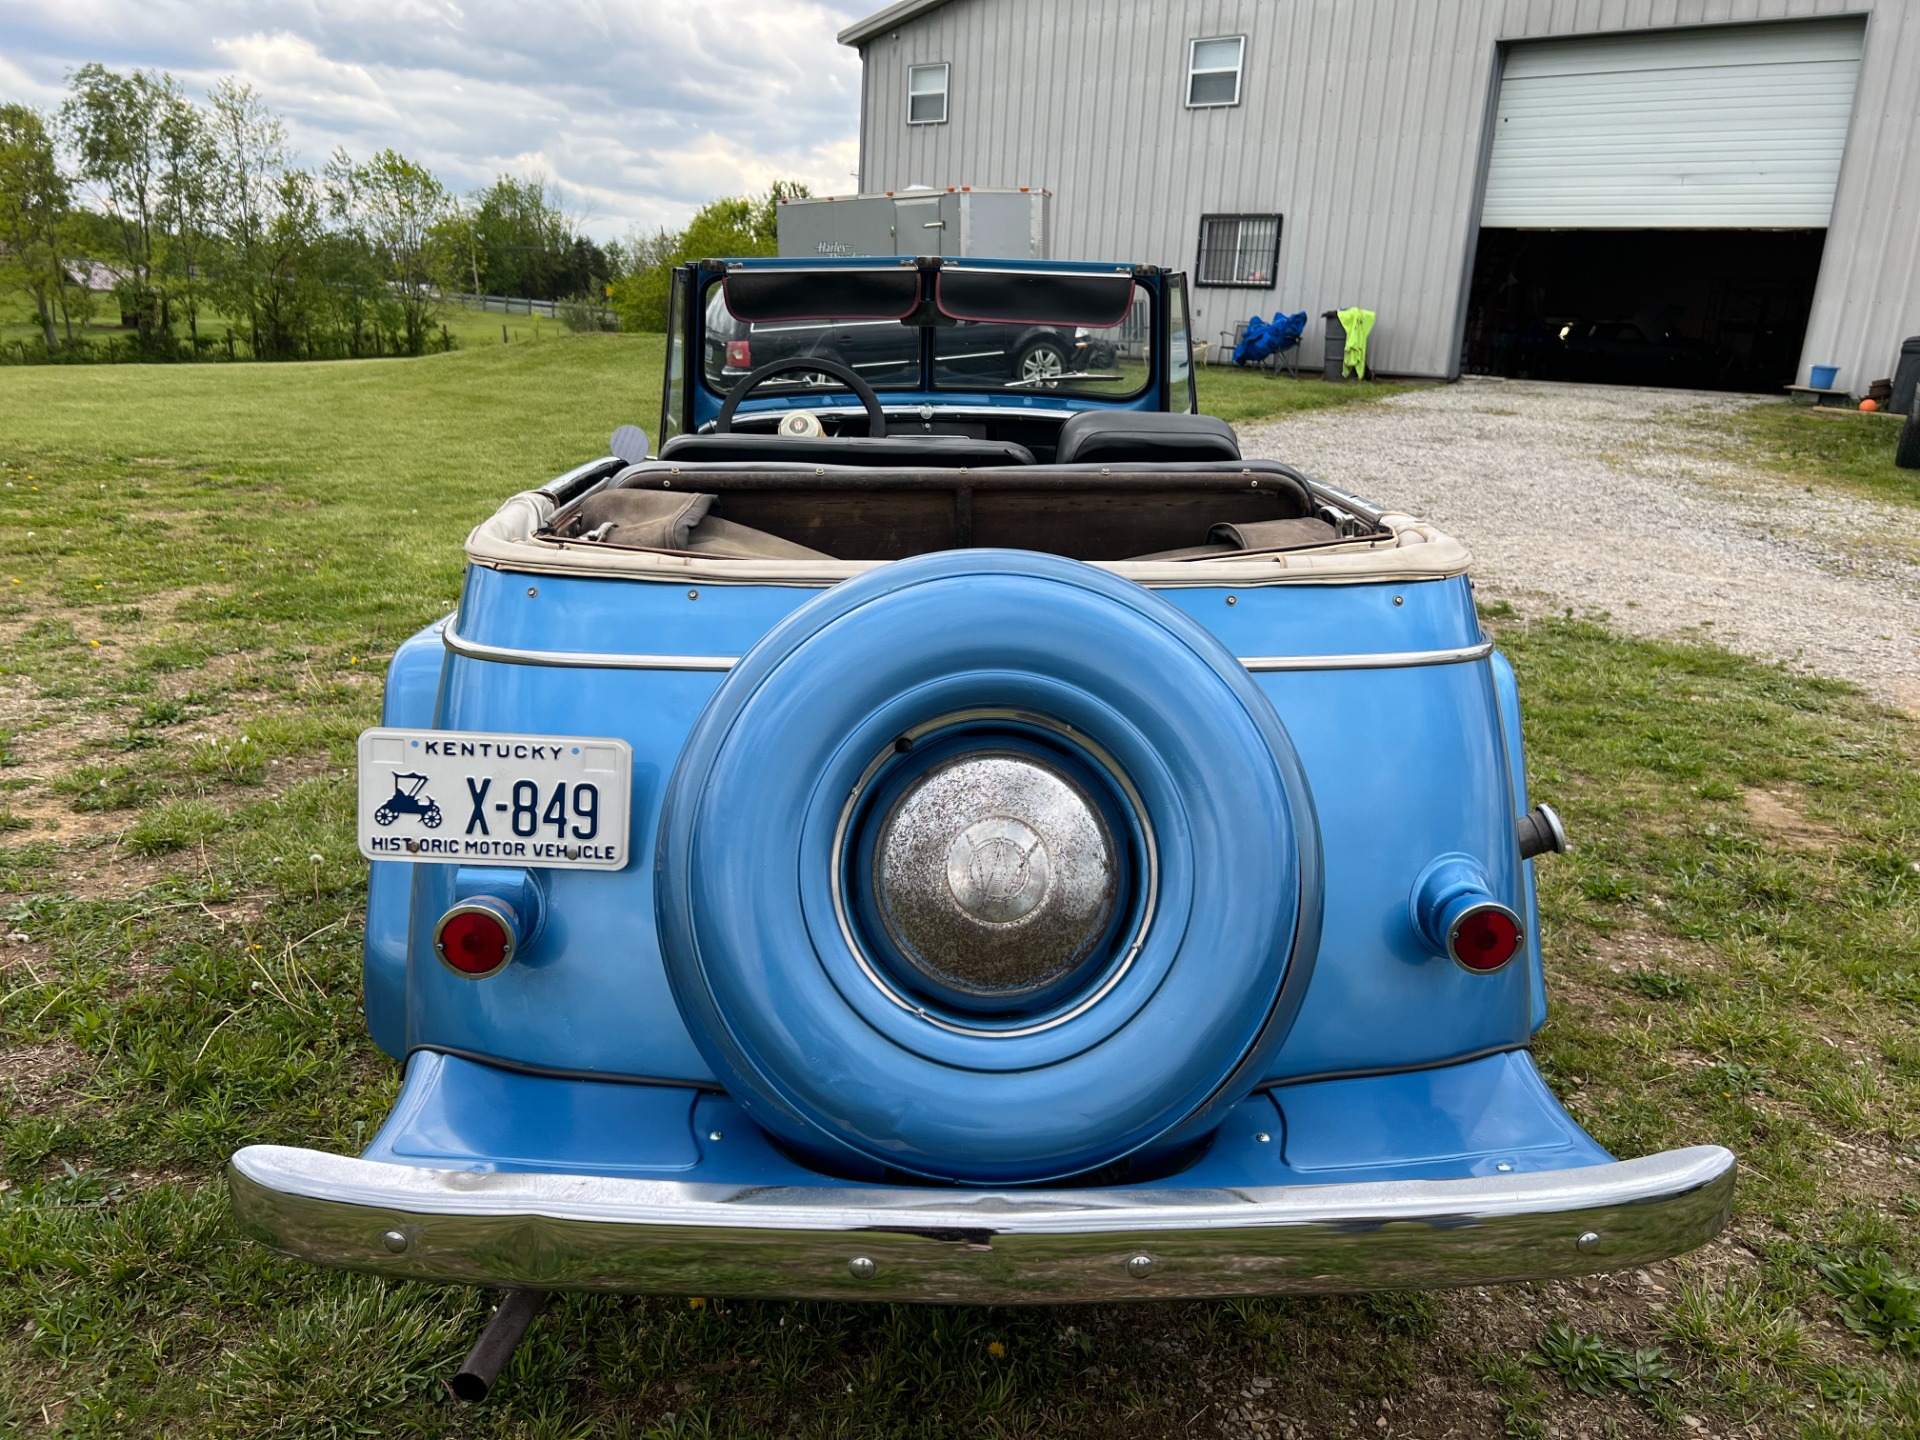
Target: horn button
{"points": [[996, 875]]}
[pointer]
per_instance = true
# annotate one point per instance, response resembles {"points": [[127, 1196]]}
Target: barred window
{"points": [[1213, 71], [1238, 250], [927, 94]]}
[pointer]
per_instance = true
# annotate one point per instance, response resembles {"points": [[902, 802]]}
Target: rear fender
{"points": [[1507, 688], [412, 699]]}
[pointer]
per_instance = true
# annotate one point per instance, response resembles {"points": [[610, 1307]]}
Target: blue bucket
{"points": [[1823, 376]]}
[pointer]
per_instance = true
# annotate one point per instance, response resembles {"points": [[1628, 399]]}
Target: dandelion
{"points": [[996, 1349], [696, 1302], [316, 859], [94, 643]]}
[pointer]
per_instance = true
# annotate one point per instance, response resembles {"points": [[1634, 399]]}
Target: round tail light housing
{"points": [[477, 937], [1485, 938], [1454, 914]]}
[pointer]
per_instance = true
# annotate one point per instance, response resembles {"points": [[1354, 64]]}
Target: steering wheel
{"points": [[876, 417]]}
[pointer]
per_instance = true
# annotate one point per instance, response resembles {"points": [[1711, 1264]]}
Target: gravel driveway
{"points": [[1635, 503]]}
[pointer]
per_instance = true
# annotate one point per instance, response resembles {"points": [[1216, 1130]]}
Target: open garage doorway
{"points": [[1700, 309], [1656, 203]]}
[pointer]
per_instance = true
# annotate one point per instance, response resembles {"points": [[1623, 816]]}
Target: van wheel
{"points": [[1042, 360], [1906, 453]]}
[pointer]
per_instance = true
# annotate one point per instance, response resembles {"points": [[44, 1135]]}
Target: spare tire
{"points": [[988, 867]]}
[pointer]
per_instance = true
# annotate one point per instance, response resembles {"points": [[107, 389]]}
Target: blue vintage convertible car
{"points": [[983, 840]]}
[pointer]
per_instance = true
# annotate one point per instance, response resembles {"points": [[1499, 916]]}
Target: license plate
{"points": [[554, 801]]}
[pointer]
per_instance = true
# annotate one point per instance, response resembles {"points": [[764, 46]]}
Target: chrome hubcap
{"points": [[995, 874]]}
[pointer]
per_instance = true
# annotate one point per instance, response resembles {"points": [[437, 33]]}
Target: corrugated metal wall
{"points": [[1364, 122]]}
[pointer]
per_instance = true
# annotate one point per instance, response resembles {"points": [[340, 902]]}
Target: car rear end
{"points": [[978, 925]]}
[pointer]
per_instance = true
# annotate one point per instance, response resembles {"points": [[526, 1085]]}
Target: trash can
{"points": [[1905, 399], [1336, 346]]}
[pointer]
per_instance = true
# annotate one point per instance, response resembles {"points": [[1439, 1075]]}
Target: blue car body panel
{"points": [[591, 997], [1480, 1117]]}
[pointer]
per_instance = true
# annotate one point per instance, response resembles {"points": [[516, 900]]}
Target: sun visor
{"points": [[768, 296], [1034, 297]]}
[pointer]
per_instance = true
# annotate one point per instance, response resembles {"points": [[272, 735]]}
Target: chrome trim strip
{"points": [[579, 659], [1384, 660], [587, 1232], [1258, 664]]}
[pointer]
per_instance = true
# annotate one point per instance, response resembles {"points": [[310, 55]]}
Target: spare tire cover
{"points": [[991, 867]]}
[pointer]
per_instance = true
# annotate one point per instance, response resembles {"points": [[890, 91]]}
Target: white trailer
{"points": [[959, 220]]}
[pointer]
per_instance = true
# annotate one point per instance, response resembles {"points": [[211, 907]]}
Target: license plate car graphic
{"points": [[559, 801]]}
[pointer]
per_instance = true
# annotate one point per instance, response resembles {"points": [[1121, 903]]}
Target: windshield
{"points": [[1109, 359], [1105, 360]]}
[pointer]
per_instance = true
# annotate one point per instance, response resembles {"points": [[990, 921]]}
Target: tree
{"points": [[189, 191], [250, 162], [34, 201], [285, 284], [400, 209], [736, 226], [113, 124]]}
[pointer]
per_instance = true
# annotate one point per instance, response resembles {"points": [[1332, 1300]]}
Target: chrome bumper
{"points": [[578, 1232]]}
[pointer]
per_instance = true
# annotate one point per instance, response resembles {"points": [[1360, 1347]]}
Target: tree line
{"points": [[188, 215], [193, 224]]}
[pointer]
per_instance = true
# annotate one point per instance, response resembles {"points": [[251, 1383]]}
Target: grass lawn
{"points": [[202, 570], [1248, 397], [469, 328], [1842, 448]]}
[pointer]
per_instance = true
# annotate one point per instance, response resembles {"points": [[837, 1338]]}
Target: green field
{"points": [[469, 329], [202, 569]]}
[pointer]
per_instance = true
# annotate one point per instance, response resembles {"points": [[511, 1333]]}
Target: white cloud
{"points": [[638, 109]]}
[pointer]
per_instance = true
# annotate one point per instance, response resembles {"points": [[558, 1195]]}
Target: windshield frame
{"points": [[926, 384]]}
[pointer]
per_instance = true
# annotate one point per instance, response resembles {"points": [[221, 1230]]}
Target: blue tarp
{"points": [[1269, 337]]}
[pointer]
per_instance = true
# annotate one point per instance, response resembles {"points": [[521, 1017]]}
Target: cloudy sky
{"points": [[638, 109]]}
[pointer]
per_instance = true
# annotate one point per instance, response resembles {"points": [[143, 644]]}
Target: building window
{"points": [[1242, 251], [927, 94], [1213, 71]]}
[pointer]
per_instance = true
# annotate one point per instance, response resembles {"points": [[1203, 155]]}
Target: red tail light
{"points": [[477, 937], [1454, 914], [1485, 938], [739, 354]]}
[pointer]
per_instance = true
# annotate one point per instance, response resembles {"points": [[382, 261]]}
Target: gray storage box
{"points": [[1006, 224]]}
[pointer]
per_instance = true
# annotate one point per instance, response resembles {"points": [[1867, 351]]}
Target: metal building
{"points": [[1676, 191]]}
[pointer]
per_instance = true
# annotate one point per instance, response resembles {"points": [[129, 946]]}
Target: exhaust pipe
{"points": [[1541, 833], [496, 1344]]}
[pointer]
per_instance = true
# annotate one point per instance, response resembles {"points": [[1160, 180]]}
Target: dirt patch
{"points": [[1777, 813], [33, 1078], [1629, 951], [54, 818]]}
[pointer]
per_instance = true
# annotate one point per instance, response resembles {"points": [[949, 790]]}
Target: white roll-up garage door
{"points": [[1725, 128]]}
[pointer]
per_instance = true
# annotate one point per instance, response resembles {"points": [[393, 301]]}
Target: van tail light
{"points": [[496, 914], [1454, 914], [739, 354]]}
